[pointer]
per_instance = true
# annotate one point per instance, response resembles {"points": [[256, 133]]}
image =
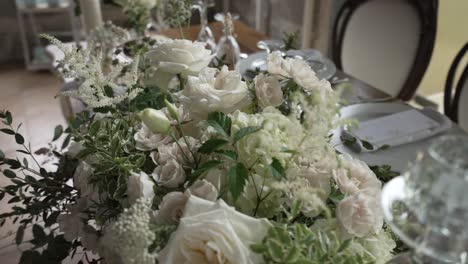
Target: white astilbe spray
{"points": [[131, 235], [80, 64]]}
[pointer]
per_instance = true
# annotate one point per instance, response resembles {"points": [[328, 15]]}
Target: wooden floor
{"points": [[30, 98]]}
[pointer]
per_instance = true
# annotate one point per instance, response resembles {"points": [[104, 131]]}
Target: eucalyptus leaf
{"points": [[58, 131], [204, 168], [7, 131], [19, 235], [19, 139], [9, 174]]}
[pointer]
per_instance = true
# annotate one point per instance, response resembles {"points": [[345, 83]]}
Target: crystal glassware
{"points": [[228, 49], [427, 207], [205, 34]]}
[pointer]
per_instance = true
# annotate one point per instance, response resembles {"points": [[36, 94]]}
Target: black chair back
{"points": [[427, 11], [452, 93]]}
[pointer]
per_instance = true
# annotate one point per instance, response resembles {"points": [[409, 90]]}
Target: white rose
{"points": [[177, 56], [138, 186], [355, 176], [212, 91], [147, 140], [268, 91], [360, 215], [213, 232], [316, 179], [179, 151], [171, 208], [203, 189], [298, 70], [169, 175]]}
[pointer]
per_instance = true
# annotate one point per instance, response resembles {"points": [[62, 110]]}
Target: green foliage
{"points": [[298, 244], [220, 122], [277, 169], [243, 132], [237, 178], [384, 172], [291, 40], [211, 145]]}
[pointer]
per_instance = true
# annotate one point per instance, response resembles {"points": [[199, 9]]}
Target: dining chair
{"points": [[386, 43], [456, 96]]}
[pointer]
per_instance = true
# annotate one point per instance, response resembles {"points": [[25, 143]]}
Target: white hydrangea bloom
{"points": [[129, 238]]}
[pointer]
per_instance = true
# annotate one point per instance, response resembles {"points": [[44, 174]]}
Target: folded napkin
{"points": [[398, 129]]}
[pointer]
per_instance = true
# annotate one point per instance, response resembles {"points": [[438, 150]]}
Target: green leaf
{"points": [[30, 257], [8, 118], [7, 131], [52, 218], [94, 129], [211, 145], [367, 145], [14, 164], [243, 132], [19, 139], [384, 147], [275, 250], [38, 232], [293, 255], [237, 178], [58, 131], [66, 141], [2, 195], [204, 168], [277, 169], [228, 153], [221, 122], [259, 248], [344, 245], [19, 235], [2, 155], [9, 174]]}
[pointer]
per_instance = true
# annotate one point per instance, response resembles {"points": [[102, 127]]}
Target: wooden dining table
{"points": [[399, 157]]}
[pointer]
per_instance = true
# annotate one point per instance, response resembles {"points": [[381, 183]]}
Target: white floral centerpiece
{"points": [[178, 162]]}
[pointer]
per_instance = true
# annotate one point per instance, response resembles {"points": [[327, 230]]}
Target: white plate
{"points": [[258, 60]]}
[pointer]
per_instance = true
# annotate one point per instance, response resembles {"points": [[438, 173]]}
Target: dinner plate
{"points": [[323, 67]]}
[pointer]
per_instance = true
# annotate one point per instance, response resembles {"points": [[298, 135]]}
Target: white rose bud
{"points": [[268, 91], [169, 175], [359, 215], [155, 120], [173, 111], [171, 208], [354, 176], [203, 189]]}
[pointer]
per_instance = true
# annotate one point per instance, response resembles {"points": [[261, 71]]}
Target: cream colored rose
{"points": [[179, 151], [139, 186], [268, 91], [174, 57], [354, 176], [169, 175], [360, 215], [147, 140], [203, 189], [316, 179], [213, 232], [171, 208], [214, 90]]}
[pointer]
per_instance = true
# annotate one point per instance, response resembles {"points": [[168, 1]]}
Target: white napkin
{"points": [[399, 128]]}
